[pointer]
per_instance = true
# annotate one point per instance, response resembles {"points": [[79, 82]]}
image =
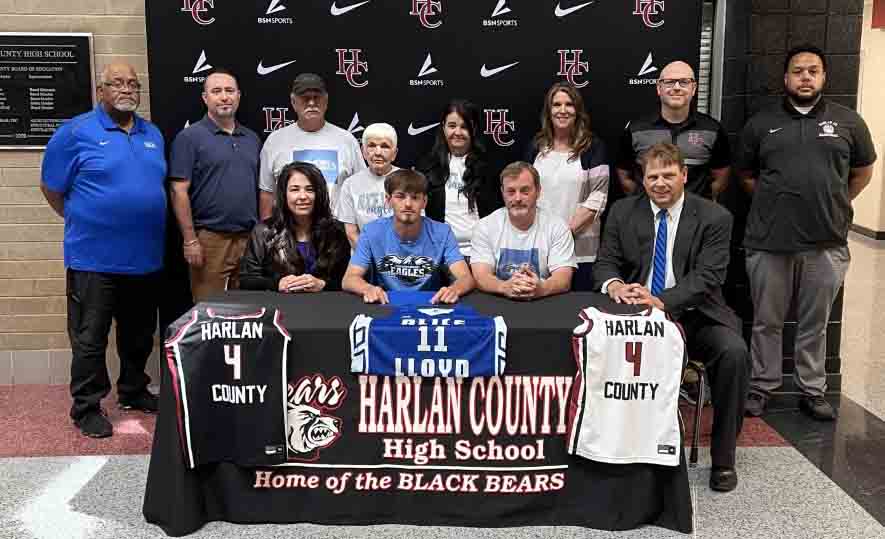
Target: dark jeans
{"points": [[724, 354], [93, 300], [582, 278]]}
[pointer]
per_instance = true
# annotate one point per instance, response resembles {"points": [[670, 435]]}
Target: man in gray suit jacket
{"points": [[670, 249]]}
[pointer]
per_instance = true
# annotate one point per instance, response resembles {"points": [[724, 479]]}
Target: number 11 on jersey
{"points": [[440, 345]]}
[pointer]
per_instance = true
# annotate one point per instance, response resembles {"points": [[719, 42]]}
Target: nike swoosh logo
{"points": [[770, 131], [418, 130], [486, 73], [559, 12], [104, 142], [270, 69], [342, 10]]}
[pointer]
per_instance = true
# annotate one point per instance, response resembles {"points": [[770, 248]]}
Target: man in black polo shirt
{"points": [[803, 161], [213, 166], [699, 137]]}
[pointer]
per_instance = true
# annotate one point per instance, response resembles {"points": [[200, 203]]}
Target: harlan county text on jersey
{"points": [[235, 329]]}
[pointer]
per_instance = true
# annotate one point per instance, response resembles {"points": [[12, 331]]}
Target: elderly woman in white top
{"points": [[362, 197]]}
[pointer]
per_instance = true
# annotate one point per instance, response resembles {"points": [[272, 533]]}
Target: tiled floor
{"points": [[798, 478]]}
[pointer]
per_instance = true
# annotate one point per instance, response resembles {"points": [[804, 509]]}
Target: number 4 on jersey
{"points": [[232, 358], [633, 354]]}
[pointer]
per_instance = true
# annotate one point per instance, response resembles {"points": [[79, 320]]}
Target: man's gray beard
{"points": [[126, 107]]}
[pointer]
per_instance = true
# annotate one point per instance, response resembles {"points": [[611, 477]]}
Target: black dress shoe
{"points": [[818, 408], [723, 479]]}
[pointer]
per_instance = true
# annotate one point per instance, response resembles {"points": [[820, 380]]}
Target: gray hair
{"points": [[380, 130]]}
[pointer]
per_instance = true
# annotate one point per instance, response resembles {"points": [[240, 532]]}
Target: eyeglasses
{"points": [[671, 83], [119, 84]]}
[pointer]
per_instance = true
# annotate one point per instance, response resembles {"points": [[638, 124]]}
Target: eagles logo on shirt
{"points": [[409, 269]]}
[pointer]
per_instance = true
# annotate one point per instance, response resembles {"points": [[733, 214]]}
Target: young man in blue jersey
{"points": [[407, 251]]}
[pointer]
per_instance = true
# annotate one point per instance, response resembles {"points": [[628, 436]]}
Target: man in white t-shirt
{"points": [[522, 251], [311, 139], [361, 198]]}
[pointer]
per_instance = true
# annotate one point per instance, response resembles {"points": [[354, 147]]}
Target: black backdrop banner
{"points": [[401, 61]]}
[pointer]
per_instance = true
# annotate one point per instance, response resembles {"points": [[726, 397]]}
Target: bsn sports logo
{"points": [[426, 70], [275, 118], [309, 427], [571, 66], [647, 68], [350, 65], [198, 10], [275, 6], [200, 66], [648, 10], [501, 8], [498, 126], [425, 10], [355, 126]]}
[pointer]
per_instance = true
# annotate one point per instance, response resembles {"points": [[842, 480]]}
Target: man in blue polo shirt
{"points": [[103, 171], [407, 251], [213, 166]]}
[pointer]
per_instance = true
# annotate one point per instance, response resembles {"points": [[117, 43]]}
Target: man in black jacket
{"points": [[671, 251]]}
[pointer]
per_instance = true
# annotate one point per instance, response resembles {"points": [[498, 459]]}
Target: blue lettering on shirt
{"points": [[325, 160]]}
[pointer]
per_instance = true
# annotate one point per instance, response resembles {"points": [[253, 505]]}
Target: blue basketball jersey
{"points": [[452, 341]]}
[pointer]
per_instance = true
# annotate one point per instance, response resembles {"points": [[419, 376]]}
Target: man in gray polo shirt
{"points": [[803, 161], [213, 166]]}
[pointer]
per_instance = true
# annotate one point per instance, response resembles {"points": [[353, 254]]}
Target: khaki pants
{"points": [[220, 271]]}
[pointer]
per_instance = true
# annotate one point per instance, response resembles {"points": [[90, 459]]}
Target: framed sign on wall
{"points": [[45, 79]]}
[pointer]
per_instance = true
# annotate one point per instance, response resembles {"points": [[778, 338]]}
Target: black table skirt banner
{"points": [[485, 452]]}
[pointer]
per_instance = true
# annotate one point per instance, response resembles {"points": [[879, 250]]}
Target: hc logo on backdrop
{"points": [[350, 65], [498, 127], [648, 9], [418, 54], [426, 11], [198, 9], [571, 67]]}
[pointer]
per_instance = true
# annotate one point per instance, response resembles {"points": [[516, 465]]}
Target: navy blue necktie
{"points": [[659, 277]]}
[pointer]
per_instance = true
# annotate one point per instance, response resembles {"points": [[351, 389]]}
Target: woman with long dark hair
{"points": [[461, 188], [573, 165], [301, 247]]}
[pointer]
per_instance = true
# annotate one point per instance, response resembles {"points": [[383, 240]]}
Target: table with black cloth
{"points": [[474, 480]]}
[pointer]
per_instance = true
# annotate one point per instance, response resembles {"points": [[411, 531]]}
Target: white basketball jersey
{"points": [[624, 406]]}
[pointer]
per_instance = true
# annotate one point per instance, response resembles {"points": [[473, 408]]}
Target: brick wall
{"points": [[34, 346]]}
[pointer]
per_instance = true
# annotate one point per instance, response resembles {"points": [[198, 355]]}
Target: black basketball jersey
{"points": [[229, 379]]}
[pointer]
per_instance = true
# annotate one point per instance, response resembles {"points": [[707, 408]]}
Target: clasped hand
{"points": [[633, 294], [301, 283]]}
